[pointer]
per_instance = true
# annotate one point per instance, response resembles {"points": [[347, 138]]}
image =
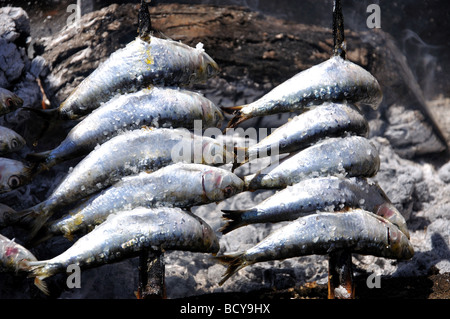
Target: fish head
{"points": [[9, 101], [400, 247], [210, 239], [12, 144], [219, 184], [208, 68], [13, 174], [388, 211], [212, 114]]}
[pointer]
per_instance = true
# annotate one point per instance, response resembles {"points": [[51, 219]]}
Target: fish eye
{"points": [[14, 143], [14, 181], [8, 102], [210, 70], [228, 191]]}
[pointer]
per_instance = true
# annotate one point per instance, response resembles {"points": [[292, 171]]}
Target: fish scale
{"points": [[335, 80], [356, 231], [154, 107], [349, 156], [126, 154], [177, 185], [157, 62], [141, 228]]}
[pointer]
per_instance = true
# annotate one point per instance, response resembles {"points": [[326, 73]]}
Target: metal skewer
{"points": [[340, 270]]}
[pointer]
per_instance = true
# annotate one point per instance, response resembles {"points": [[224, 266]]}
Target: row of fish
{"points": [[133, 136], [141, 170], [325, 192]]}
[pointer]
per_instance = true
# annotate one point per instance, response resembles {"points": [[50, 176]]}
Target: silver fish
{"points": [[178, 185], [336, 79], [155, 107], [140, 64], [9, 101], [352, 156], [126, 154], [326, 120], [357, 231], [142, 228], [13, 174], [317, 194], [13, 256], [10, 141]]}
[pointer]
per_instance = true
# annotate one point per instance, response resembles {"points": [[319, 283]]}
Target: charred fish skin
{"points": [[10, 141], [9, 101], [357, 231], [13, 174], [156, 62], [126, 154], [155, 107], [178, 185], [13, 256], [142, 228], [329, 193], [350, 156], [336, 80], [326, 120]]}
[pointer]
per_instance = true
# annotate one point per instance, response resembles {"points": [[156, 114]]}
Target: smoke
{"points": [[423, 60]]}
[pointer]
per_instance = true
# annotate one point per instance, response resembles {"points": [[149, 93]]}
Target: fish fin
{"points": [[39, 273], [231, 110], [237, 119], [34, 218], [235, 262], [234, 220]]}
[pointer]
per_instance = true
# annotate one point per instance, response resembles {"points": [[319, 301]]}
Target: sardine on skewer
{"points": [[326, 120], [142, 63], [357, 231], [155, 107], [14, 174], [329, 193], [126, 154], [335, 80], [9, 101], [13, 256], [10, 141], [178, 185], [350, 156], [141, 228]]}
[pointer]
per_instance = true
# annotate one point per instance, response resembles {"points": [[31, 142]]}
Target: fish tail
{"points": [[236, 120], [34, 218], [231, 110], [235, 262], [234, 220], [39, 272]]}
